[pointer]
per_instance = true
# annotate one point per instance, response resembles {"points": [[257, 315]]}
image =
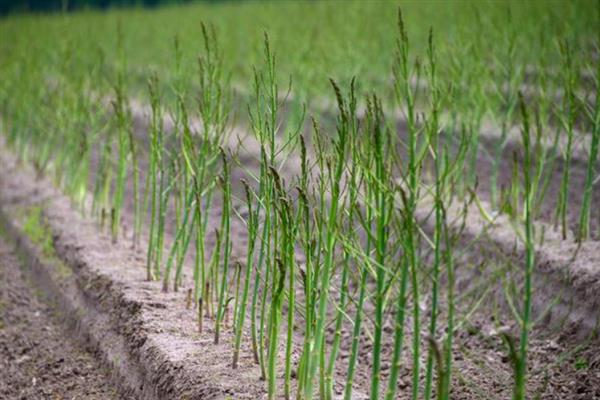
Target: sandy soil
{"points": [[38, 357]]}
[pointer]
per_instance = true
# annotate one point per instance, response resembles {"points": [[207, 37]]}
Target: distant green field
{"points": [[312, 40]]}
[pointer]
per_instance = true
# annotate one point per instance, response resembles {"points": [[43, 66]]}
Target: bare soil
{"points": [[39, 358]]}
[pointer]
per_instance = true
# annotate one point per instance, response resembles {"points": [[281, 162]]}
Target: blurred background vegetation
{"points": [[312, 40]]}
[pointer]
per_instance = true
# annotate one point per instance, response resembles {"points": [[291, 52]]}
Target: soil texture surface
{"points": [[39, 359]]}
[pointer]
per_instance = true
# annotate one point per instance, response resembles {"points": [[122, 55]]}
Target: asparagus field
{"points": [[311, 200]]}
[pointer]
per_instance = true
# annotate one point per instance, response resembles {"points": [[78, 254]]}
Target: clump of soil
{"points": [[38, 357]]}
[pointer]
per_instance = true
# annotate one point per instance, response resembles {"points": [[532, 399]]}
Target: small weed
{"points": [[581, 364]]}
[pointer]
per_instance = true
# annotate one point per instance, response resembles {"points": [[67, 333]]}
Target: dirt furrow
{"points": [[39, 359]]}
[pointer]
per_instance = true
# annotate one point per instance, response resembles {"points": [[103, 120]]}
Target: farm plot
{"points": [[391, 246]]}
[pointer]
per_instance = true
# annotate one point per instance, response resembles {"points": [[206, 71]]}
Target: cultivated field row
{"points": [[434, 240]]}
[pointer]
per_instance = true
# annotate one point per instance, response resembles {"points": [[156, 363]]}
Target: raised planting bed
{"points": [[149, 338]]}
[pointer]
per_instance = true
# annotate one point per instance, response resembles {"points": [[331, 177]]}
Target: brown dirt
{"points": [[38, 357], [549, 203]]}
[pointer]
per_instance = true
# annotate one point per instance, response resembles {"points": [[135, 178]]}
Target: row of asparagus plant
{"points": [[335, 250]]}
